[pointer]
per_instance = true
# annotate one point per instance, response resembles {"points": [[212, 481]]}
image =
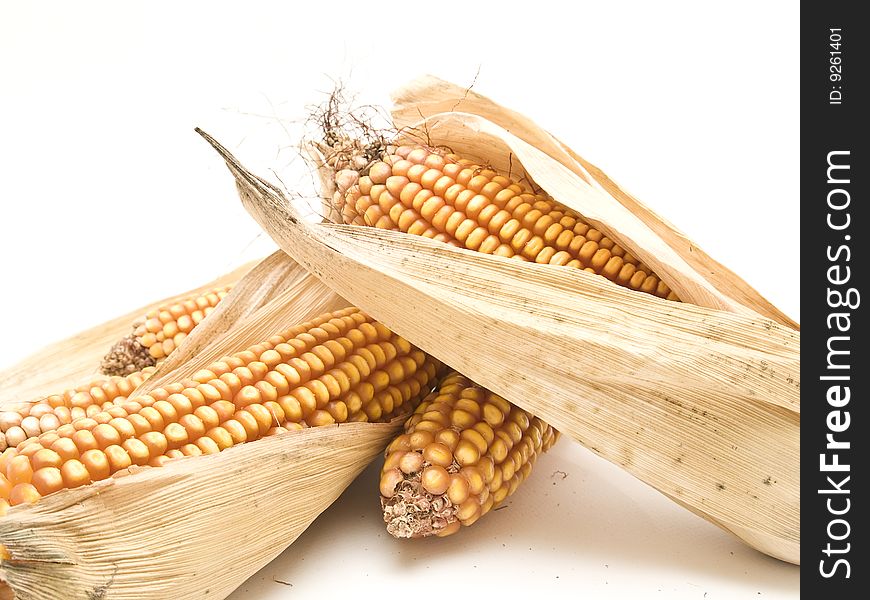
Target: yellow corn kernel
{"points": [[441, 473]]}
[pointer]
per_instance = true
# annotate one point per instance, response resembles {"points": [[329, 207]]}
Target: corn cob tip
{"points": [[350, 137], [464, 450], [413, 512], [158, 333], [126, 357]]}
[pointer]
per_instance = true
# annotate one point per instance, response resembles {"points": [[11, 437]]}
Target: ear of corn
{"points": [[160, 332], [425, 191], [463, 452], [339, 367]]}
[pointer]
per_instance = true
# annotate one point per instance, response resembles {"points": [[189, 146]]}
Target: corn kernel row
{"points": [[423, 191], [463, 452], [100, 395], [166, 327]]}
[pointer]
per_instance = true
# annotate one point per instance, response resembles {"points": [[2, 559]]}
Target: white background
{"points": [[109, 200]]}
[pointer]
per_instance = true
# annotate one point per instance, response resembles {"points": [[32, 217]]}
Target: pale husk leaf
{"points": [[199, 526], [700, 403]]}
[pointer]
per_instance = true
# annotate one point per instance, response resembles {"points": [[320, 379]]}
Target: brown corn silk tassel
{"points": [[463, 452], [430, 192], [160, 332], [338, 367]]}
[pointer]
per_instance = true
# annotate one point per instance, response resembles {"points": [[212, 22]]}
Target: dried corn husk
{"points": [[699, 399], [199, 526]]}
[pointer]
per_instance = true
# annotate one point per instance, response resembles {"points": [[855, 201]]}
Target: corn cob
{"points": [[159, 333], [464, 450], [102, 394], [335, 368], [429, 192]]}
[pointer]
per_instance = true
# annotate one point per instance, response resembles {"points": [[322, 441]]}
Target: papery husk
{"points": [[699, 399], [199, 526], [277, 290]]}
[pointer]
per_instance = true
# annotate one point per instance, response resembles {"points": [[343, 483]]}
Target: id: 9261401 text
{"points": [[835, 65]]}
